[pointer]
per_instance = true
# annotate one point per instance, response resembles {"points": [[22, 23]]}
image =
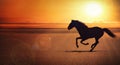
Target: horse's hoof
{"points": [[77, 46], [91, 50], [87, 43]]}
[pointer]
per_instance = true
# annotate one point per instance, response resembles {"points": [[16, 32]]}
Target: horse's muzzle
{"points": [[68, 28]]}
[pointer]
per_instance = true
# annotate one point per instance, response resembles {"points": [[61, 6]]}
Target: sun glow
{"points": [[59, 11], [93, 9]]}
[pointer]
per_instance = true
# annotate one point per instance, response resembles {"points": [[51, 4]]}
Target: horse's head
{"points": [[71, 25], [77, 24]]}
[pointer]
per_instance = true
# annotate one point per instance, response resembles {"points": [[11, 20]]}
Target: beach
{"points": [[55, 47]]}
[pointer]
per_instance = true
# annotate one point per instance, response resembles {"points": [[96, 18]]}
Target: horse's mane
{"points": [[80, 23]]}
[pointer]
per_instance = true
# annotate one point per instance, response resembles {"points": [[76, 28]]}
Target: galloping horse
{"points": [[86, 33]]}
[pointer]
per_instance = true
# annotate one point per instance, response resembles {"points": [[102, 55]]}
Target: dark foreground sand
{"points": [[41, 47]]}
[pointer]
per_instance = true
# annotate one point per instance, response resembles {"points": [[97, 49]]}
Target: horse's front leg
{"points": [[77, 41], [84, 43]]}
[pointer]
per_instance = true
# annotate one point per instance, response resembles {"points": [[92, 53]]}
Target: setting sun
{"points": [[93, 9]]}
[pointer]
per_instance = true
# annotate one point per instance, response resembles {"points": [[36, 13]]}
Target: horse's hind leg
{"points": [[94, 45], [77, 41]]}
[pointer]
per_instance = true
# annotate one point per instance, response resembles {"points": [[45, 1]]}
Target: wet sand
{"points": [[55, 47]]}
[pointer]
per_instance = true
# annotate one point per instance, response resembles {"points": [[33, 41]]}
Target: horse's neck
{"points": [[81, 30]]}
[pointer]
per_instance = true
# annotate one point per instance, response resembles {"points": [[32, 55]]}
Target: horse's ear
{"points": [[72, 20]]}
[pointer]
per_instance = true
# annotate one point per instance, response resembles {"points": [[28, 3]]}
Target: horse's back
{"points": [[96, 27], [95, 31]]}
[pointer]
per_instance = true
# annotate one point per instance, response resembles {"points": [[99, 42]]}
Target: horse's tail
{"points": [[109, 32]]}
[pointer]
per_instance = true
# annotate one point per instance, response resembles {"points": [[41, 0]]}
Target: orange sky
{"points": [[55, 11]]}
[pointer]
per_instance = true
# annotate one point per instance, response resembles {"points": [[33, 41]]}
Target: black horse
{"points": [[85, 33]]}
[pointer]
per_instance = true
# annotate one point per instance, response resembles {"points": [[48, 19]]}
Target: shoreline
{"points": [[53, 25], [46, 30]]}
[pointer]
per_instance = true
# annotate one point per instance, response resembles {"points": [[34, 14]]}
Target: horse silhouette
{"points": [[86, 33]]}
